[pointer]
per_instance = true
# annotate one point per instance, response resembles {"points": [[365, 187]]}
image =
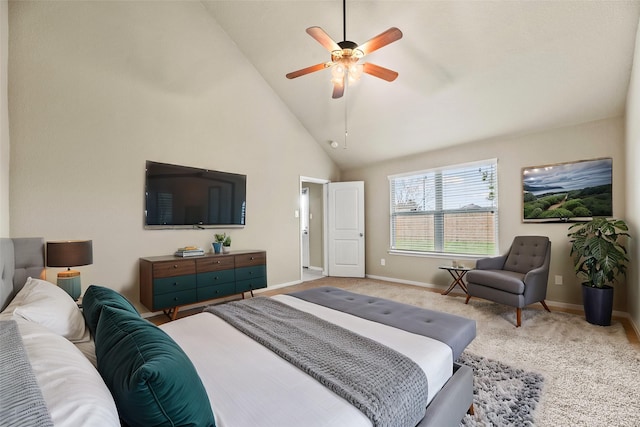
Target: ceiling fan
{"points": [[346, 54]]}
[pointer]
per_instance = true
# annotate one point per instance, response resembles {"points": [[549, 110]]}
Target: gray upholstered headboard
{"points": [[19, 258]]}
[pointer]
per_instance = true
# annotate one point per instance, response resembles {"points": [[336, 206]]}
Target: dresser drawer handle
{"points": [[251, 258], [217, 262], [175, 298], [175, 283], [175, 265]]}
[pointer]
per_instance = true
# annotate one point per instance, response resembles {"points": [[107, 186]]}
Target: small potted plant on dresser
{"points": [[599, 258], [217, 242], [226, 245]]}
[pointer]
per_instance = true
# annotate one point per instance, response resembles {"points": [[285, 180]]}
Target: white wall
{"points": [[4, 121], [100, 87], [633, 190], [592, 140]]}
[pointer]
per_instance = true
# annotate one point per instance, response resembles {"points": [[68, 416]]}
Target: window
{"points": [[452, 210]]}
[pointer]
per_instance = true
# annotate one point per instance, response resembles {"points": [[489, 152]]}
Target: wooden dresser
{"points": [[169, 282]]}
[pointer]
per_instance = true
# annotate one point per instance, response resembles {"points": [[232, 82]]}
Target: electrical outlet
{"points": [[558, 280], [382, 261]]}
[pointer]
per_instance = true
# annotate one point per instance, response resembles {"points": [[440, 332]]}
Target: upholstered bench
{"points": [[455, 331]]}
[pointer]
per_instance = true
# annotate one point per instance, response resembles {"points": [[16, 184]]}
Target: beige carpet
{"points": [[591, 373]]}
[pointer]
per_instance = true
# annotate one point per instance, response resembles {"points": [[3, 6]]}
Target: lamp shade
{"points": [[69, 253]]}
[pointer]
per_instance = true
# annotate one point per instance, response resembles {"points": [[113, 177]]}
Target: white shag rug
{"points": [[591, 373]]}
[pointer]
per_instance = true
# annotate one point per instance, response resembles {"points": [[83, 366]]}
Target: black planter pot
{"points": [[598, 304]]}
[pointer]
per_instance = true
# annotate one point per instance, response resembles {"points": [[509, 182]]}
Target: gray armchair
{"points": [[518, 278]]}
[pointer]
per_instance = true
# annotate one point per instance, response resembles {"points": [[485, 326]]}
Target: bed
{"points": [[200, 370]]}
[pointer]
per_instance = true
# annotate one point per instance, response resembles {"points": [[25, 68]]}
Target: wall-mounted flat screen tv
{"points": [[187, 197]]}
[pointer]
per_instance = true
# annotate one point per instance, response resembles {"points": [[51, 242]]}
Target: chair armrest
{"points": [[536, 275], [493, 263]]}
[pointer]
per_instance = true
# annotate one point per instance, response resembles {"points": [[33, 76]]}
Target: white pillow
{"points": [[44, 303], [72, 388]]}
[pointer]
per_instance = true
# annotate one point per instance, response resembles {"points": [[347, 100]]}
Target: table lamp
{"points": [[70, 253]]}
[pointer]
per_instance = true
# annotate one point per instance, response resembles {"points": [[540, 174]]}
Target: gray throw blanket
{"points": [[388, 387], [21, 401]]}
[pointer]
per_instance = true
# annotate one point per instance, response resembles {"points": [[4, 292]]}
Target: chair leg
{"points": [[518, 317], [468, 298], [544, 304], [471, 410]]}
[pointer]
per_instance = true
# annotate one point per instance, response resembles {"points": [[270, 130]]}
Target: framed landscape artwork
{"points": [[567, 192]]}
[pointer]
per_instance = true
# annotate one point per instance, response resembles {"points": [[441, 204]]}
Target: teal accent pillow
{"points": [[95, 298], [152, 380]]}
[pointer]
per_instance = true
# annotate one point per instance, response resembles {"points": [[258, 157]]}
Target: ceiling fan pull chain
{"points": [[346, 126]]}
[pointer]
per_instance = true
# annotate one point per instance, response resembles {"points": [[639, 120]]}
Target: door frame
{"points": [[325, 195]]}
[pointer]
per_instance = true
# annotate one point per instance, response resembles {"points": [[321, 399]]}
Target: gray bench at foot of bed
{"points": [[455, 331], [454, 399]]}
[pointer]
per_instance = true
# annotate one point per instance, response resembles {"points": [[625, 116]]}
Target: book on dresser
{"points": [[169, 282], [189, 252]]}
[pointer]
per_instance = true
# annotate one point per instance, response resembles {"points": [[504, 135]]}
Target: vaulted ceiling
{"points": [[468, 70]]}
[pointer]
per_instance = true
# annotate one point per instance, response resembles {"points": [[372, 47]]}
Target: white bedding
{"points": [[249, 385]]}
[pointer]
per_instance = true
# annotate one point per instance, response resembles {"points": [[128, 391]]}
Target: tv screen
{"points": [[181, 196]]}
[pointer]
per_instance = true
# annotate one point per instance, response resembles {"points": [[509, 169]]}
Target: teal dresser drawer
{"points": [[211, 292], [174, 284], [213, 278], [251, 284], [246, 273], [174, 299]]}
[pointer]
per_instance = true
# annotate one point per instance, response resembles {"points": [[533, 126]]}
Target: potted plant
{"points": [[226, 245], [217, 242], [599, 258]]}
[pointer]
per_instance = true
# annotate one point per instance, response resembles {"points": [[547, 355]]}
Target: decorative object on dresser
{"points": [[226, 245], [70, 253], [218, 241], [188, 251], [168, 282]]}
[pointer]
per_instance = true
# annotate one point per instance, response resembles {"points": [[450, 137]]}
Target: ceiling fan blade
{"points": [[381, 40], [380, 72], [313, 68], [338, 89], [323, 38]]}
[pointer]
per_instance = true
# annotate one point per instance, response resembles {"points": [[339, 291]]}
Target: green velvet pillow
{"points": [[95, 298], [152, 380]]}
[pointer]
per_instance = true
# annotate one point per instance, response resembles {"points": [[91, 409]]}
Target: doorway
{"points": [[312, 228]]}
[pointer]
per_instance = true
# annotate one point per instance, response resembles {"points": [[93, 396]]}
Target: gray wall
{"points": [[633, 189], [97, 88], [592, 140]]}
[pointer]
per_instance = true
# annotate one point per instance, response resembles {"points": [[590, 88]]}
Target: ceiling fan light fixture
{"points": [[345, 55], [355, 72], [337, 73]]}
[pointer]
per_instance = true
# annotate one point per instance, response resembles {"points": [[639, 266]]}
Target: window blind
{"points": [[452, 210]]}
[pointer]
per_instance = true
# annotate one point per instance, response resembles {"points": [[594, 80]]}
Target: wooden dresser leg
{"points": [[471, 411], [518, 317]]}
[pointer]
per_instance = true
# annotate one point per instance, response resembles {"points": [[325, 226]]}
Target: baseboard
{"points": [[550, 303], [635, 327], [405, 282]]}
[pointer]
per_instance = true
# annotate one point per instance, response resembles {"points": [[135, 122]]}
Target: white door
{"points": [[346, 229], [304, 225]]}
